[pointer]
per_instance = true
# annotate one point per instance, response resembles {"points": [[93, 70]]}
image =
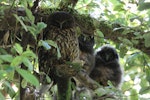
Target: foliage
{"points": [[132, 15]]}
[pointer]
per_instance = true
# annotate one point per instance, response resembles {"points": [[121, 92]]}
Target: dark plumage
{"points": [[86, 43], [61, 20], [107, 67], [61, 30]]}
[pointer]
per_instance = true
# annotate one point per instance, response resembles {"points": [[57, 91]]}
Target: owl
{"points": [[61, 30], [107, 67], [86, 43]]}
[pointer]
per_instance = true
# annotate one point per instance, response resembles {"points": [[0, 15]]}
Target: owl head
{"points": [[86, 43], [107, 54], [61, 19]]}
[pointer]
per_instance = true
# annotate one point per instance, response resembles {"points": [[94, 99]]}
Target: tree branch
{"points": [[117, 35]]}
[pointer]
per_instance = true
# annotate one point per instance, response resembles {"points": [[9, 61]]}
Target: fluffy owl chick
{"points": [[107, 67]]}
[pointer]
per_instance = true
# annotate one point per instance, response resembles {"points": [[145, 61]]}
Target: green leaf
{"points": [[148, 74], [52, 43], [115, 2], [41, 26], [144, 90], [119, 8], [28, 53], [44, 44], [58, 53], [125, 41], [100, 34], [100, 91], [144, 6], [28, 76], [17, 61], [18, 48], [7, 58], [7, 68], [24, 3], [21, 22], [10, 90], [2, 74], [29, 15], [27, 63], [123, 50], [24, 83], [126, 31], [48, 79], [1, 96], [147, 39], [48, 43], [134, 95], [32, 30], [100, 37], [3, 51]]}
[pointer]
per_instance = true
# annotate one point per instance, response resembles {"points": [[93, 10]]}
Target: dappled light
{"points": [[40, 49]]}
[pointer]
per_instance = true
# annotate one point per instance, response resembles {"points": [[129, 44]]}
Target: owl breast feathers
{"points": [[60, 29]]}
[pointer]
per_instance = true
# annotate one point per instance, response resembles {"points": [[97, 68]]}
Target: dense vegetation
{"points": [[123, 24]]}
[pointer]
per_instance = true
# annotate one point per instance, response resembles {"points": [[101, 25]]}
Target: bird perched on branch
{"points": [[107, 67], [61, 30], [86, 43]]}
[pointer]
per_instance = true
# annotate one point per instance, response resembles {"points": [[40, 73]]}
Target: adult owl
{"points": [[61, 30]]}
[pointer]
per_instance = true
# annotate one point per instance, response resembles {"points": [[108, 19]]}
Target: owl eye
{"points": [[88, 38]]}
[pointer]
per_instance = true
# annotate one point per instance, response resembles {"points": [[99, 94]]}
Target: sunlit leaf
{"points": [[119, 8], [18, 48], [134, 95], [29, 14], [28, 76], [27, 63], [17, 61], [28, 53], [100, 34]]}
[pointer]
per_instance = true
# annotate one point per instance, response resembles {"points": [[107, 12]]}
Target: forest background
{"points": [[124, 24]]}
